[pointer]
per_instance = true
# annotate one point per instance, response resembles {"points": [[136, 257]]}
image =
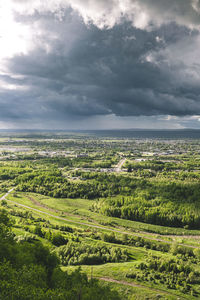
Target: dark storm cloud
{"points": [[105, 71], [76, 70]]}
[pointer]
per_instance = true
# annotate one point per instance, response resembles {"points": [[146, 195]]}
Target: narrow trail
{"points": [[86, 224], [39, 204], [120, 282], [132, 284]]}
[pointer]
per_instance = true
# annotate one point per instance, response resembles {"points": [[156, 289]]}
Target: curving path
{"points": [[107, 279], [86, 224]]}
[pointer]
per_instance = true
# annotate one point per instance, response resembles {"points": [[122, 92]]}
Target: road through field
{"points": [[4, 196], [119, 165], [89, 225]]}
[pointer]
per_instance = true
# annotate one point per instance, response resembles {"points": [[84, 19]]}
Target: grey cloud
{"points": [[184, 12], [143, 13], [85, 71]]}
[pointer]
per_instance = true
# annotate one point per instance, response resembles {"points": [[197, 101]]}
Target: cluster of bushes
{"points": [[84, 254], [29, 271], [27, 215], [24, 214], [8, 172], [174, 273], [186, 253], [135, 241], [56, 238]]}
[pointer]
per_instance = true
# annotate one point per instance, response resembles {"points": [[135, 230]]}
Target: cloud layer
{"points": [[103, 13], [75, 60]]}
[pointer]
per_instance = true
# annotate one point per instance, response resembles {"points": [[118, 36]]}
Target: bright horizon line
{"points": [[99, 129]]}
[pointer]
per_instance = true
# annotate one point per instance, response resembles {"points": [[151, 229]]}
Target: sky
{"points": [[99, 64]]}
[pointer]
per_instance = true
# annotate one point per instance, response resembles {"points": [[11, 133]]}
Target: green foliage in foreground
{"points": [[29, 271]]}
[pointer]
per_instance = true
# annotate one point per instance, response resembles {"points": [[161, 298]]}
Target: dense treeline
{"points": [[8, 172], [162, 203], [177, 163], [53, 184], [95, 185], [173, 203], [61, 162], [29, 271], [159, 213]]}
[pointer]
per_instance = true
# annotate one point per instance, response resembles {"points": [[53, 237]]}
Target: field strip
{"points": [[39, 204], [91, 225], [96, 226]]}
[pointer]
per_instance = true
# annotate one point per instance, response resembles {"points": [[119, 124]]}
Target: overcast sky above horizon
{"points": [[98, 64]]}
